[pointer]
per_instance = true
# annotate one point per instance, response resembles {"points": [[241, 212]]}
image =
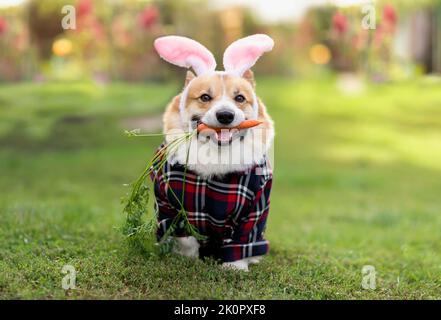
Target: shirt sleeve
{"points": [[165, 212], [247, 239]]}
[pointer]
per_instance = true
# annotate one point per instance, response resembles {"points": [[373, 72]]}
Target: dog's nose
{"points": [[225, 116]]}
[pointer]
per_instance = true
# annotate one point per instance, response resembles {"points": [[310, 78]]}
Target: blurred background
{"points": [[113, 39], [357, 149]]}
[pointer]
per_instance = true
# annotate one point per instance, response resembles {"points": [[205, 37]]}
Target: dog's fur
{"points": [[223, 88], [206, 155]]}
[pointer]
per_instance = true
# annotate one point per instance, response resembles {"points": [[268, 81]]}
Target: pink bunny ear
{"points": [[186, 53], [242, 54]]}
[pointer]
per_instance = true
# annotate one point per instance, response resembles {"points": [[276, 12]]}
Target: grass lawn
{"points": [[357, 182]]}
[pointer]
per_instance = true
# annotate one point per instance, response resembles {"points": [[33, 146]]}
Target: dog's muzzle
{"points": [[223, 137]]}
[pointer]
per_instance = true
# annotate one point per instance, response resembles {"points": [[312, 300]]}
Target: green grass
{"points": [[357, 181]]}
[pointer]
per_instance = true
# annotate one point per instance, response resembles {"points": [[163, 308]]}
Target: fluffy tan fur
{"points": [[218, 86]]}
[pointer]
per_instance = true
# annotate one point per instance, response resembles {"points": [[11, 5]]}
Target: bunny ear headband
{"points": [[240, 56]]}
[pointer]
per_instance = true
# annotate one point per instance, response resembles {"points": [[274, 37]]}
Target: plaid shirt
{"points": [[230, 210]]}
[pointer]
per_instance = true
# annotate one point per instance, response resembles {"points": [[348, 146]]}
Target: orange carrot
{"points": [[243, 125], [248, 124]]}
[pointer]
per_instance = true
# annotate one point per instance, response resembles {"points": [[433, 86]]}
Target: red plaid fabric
{"points": [[230, 210]]}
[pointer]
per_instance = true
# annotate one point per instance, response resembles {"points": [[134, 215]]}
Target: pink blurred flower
{"points": [[148, 17], [340, 23], [97, 29], [360, 40], [84, 8], [390, 14], [3, 26], [379, 35]]}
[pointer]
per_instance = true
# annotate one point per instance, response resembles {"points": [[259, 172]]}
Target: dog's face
{"points": [[220, 101]]}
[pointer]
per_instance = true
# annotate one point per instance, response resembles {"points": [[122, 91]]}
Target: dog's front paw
{"points": [[187, 246], [241, 265], [254, 260]]}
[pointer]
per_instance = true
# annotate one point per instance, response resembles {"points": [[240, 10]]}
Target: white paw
{"points": [[187, 246], [236, 265], [254, 260]]}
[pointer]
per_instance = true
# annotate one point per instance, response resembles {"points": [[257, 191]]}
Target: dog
{"points": [[228, 177]]}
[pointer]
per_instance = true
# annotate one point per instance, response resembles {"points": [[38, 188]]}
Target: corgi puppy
{"points": [[219, 158]]}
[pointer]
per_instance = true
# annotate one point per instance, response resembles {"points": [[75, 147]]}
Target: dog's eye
{"points": [[239, 98], [205, 97]]}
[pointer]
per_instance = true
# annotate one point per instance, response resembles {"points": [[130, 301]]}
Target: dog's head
{"points": [[219, 99]]}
